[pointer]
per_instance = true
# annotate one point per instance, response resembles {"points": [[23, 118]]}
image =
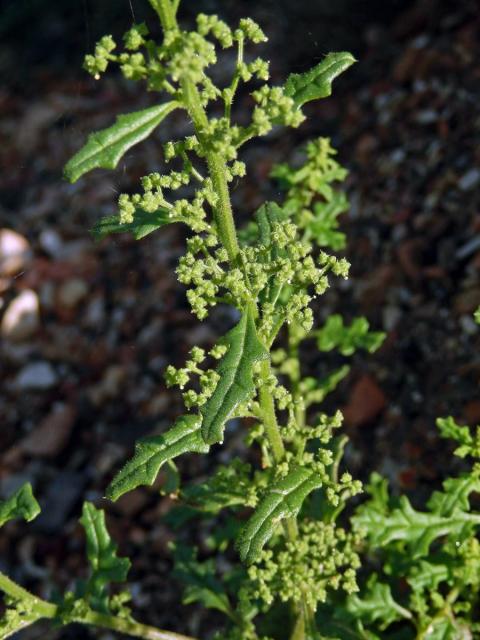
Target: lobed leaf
{"points": [[21, 504], [236, 377], [335, 334], [469, 445], [283, 500], [324, 224], [377, 604], [106, 566], [105, 148], [227, 487], [143, 223], [150, 454], [428, 575], [315, 391], [455, 495], [416, 529], [317, 82], [199, 578]]}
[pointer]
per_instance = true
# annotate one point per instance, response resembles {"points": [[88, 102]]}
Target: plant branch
{"points": [[129, 627], [166, 13], [43, 609], [16, 592]]}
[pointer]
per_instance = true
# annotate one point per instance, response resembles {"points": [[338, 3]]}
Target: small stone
{"points": [[52, 434], [14, 252], [427, 116], [95, 312], [22, 317], [367, 400], [391, 315], [110, 385], [61, 496], [469, 180], [72, 292], [468, 324], [36, 376], [51, 243]]}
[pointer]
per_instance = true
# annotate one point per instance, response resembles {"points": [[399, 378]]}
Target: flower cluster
{"points": [[207, 378], [322, 558]]}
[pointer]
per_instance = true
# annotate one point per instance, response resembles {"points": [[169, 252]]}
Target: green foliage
{"points": [[201, 582], [281, 534], [429, 579], [105, 148], [283, 500], [152, 453], [143, 224], [335, 335], [377, 604], [317, 83], [469, 444], [21, 504], [106, 566], [235, 372]]}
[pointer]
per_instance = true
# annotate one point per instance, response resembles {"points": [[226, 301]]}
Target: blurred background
{"points": [[88, 329]]}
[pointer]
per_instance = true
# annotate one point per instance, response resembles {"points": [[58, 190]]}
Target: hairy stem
{"points": [[223, 216], [305, 617], [166, 13], [129, 627], [43, 609], [16, 592], [268, 413]]}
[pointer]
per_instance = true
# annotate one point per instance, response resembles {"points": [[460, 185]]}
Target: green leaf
{"points": [[377, 604], [283, 500], [236, 377], [315, 391], [416, 529], [106, 566], [469, 445], [336, 335], [21, 504], [317, 83], [447, 629], [228, 487], [324, 225], [266, 217], [200, 580], [456, 494], [105, 148], [428, 575], [143, 223], [152, 453], [337, 623]]}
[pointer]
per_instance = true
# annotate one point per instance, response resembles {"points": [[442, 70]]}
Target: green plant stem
{"points": [[16, 592], [268, 413], [166, 13], [446, 611], [46, 610], [223, 213], [305, 622], [129, 627], [225, 223]]}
